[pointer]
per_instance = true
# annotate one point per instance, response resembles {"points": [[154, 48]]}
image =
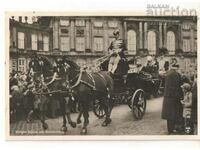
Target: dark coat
{"points": [[172, 108], [29, 99], [194, 102]]}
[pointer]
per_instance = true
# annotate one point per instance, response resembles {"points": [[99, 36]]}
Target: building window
{"points": [[80, 43], [64, 31], [98, 44], [22, 64], [40, 42], [187, 65], [151, 43], [186, 26], [80, 32], [171, 42], [21, 40], [46, 43], [64, 22], [112, 24], [80, 23], [131, 41], [64, 44], [34, 41], [13, 65], [186, 45], [98, 24]]}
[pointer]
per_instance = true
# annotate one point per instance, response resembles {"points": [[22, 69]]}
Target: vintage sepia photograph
{"points": [[83, 75]]}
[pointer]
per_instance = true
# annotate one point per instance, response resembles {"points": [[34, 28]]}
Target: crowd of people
{"points": [[25, 104], [180, 101]]}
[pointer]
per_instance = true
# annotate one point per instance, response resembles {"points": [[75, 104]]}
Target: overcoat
{"points": [[172, 108], [194, 102]]}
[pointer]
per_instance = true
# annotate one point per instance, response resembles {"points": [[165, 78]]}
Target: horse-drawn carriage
{"points": [[101, 88], [132, 87]]}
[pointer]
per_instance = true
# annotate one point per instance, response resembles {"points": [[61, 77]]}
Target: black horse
{"points": [[49, 88], [87, 87]]}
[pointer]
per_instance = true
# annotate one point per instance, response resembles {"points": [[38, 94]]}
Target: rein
{"points": [[79, 80]]}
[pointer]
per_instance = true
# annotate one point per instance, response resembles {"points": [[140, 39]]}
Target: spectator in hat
{"points": [[172, 107], [116, 50]]}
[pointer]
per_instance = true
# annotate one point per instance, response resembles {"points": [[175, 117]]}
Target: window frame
{"points": [[46, 44], [130, 45], [21, 41], [62, 44], [34, 41], [171, 42], [98, 48], [151, 42], [22, 65]]}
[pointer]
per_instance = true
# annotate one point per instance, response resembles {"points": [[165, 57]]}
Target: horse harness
{"points": [[90, 76], [78, 82]]}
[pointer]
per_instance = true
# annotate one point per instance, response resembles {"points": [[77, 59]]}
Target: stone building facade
{"points": [[85, 39]]}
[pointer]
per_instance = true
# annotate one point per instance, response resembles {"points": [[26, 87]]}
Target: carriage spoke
{"points": [[141, 110], [136, 110], [139, 104]]}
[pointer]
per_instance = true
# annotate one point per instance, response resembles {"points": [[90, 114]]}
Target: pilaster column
{"points": [[125, 32], [145, 35], [165, 35], [141, 35], [192, 39], [105, 36], [160, 35], [72, 34], [88, 34], [55, 34]]}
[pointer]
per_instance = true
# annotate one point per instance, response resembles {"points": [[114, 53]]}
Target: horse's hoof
{"points": [[73, 124], [78, 121], [109, 121], [106, 122], [83, 132], [64, 129], [45, 126]]}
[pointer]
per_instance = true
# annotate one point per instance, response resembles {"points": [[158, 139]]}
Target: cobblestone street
{"points": [[122, 123]]}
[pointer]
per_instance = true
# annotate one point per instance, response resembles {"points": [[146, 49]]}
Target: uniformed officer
{"points": [[116, 50]]}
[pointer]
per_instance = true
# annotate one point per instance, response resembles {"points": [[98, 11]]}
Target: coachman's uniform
{"points": [[117, 47]]}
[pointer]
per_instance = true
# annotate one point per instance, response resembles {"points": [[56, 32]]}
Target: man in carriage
{"points": [[116, 50], [151, 67]]}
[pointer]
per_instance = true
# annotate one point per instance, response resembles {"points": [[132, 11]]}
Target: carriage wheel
{"points": [[129, 99], [98, 109], [138, 104]]}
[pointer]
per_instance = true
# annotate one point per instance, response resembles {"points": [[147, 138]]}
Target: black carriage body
{"points": [[135, 81], [139, 81]]}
